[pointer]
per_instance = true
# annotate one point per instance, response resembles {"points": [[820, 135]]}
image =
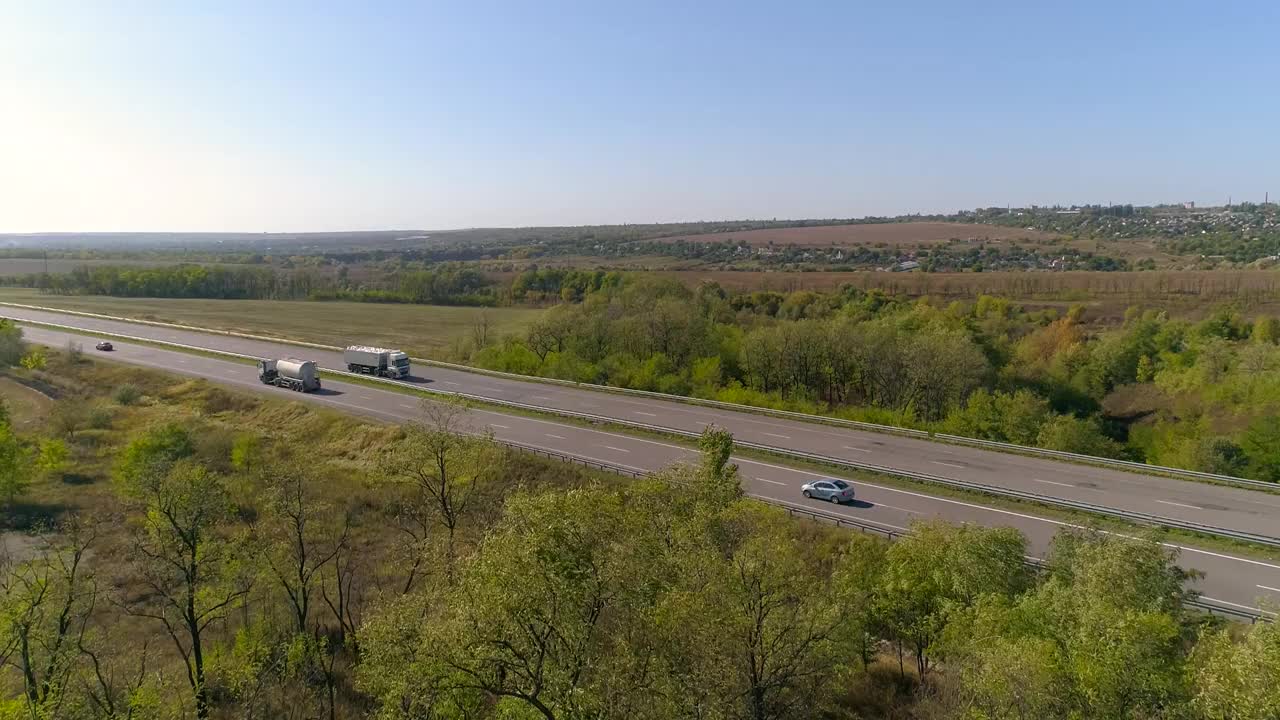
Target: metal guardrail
{"points": [[1140, 518], [890, 534], [719, 404]]}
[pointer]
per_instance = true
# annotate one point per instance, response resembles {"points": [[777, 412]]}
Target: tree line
{"points": [[1200, 395], [442, 285]]}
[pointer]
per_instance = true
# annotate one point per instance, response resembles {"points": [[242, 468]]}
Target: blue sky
{"points": [[329, 116]]}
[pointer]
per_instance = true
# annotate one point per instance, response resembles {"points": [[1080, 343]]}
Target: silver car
{"points": [[837, 491]]}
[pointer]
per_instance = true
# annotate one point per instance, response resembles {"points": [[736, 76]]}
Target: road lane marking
{"points": [[939, 462], [773, 482], [448, 382], [1181, 505], [540, 397], [504, 427], [784, 437], [1268, 587], [618, 449], [1050, 482], [645, 413], [850, 447], [406, 406], [558, 437], [1228, 602]]}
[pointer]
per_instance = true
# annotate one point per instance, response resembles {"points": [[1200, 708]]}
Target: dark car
{"points": [[104, 346], [837, 491]]}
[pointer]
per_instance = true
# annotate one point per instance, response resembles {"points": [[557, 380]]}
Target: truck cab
{"points": [[398, 364]]}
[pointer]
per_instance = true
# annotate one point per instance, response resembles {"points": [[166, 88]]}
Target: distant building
{"points": [[905, 266], [1189, 205]]}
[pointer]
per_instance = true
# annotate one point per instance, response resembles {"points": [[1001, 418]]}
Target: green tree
{"points": [[45, 609], [192, 573], [12, 348], [34, 360], [1261, 444], [1076, 435], [53, 458], [940, 569], [1237, 680], [719, 480], [15, 465], [544, 621], [152, 452]]}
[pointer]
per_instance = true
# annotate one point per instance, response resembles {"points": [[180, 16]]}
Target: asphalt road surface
{"points": [[1232, 508], [1229, 579]]}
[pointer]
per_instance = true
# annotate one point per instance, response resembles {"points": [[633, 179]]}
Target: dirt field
{"points": [[908, 233]]}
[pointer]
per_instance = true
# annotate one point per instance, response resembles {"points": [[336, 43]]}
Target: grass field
{"points": [[894, 234], [422, 330]]}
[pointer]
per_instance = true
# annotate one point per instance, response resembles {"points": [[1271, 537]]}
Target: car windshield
{"points": [[840, 484]]}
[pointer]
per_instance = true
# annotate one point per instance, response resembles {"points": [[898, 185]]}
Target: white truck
{"points": [[381, 362], [299, 375]]}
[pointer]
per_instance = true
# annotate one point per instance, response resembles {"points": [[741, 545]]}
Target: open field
{"points": [[908, 233], [423, 330]]}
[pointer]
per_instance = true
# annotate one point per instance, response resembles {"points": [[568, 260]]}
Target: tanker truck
{"points": [[299, 375], [376, 361]]}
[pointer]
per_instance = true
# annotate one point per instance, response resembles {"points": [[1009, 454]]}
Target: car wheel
{"points": [[807, 494], [835, 499]]}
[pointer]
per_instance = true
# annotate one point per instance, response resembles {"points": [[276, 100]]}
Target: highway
{"points": [[1230, 580], [1233, 508]]}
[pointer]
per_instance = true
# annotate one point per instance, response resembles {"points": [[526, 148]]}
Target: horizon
{"points": [[244, 119]]}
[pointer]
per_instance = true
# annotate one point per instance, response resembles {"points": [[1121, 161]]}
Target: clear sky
{"points": [[274, 116]]}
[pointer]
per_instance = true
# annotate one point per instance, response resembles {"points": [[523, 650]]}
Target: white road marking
{"points": [[618, 449], [1226, 602], [784, 437], [1050, 482], [407, 406], [540, 397], [504, 427], [1191, 507], [645, 413], [558, 437], [1268, 587], [773, 482], [448, 382], [850, 447], [939, 462]]}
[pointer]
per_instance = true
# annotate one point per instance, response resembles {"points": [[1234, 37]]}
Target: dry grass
{"points": [[893, 234], [423, 330], [28, 408]]}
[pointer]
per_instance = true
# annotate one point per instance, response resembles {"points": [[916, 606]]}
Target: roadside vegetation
{"points": [[174, 549], [1202, 396]]}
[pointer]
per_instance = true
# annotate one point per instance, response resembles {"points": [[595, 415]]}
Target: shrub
{"points": [[127, 394]]}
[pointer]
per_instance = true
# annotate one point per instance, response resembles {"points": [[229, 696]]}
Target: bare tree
{"points": [[47, 603], [438, 464], [301, 536]]}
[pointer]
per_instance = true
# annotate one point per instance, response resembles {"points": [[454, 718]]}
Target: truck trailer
{"points": [[299, 375], [382, 362]]}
